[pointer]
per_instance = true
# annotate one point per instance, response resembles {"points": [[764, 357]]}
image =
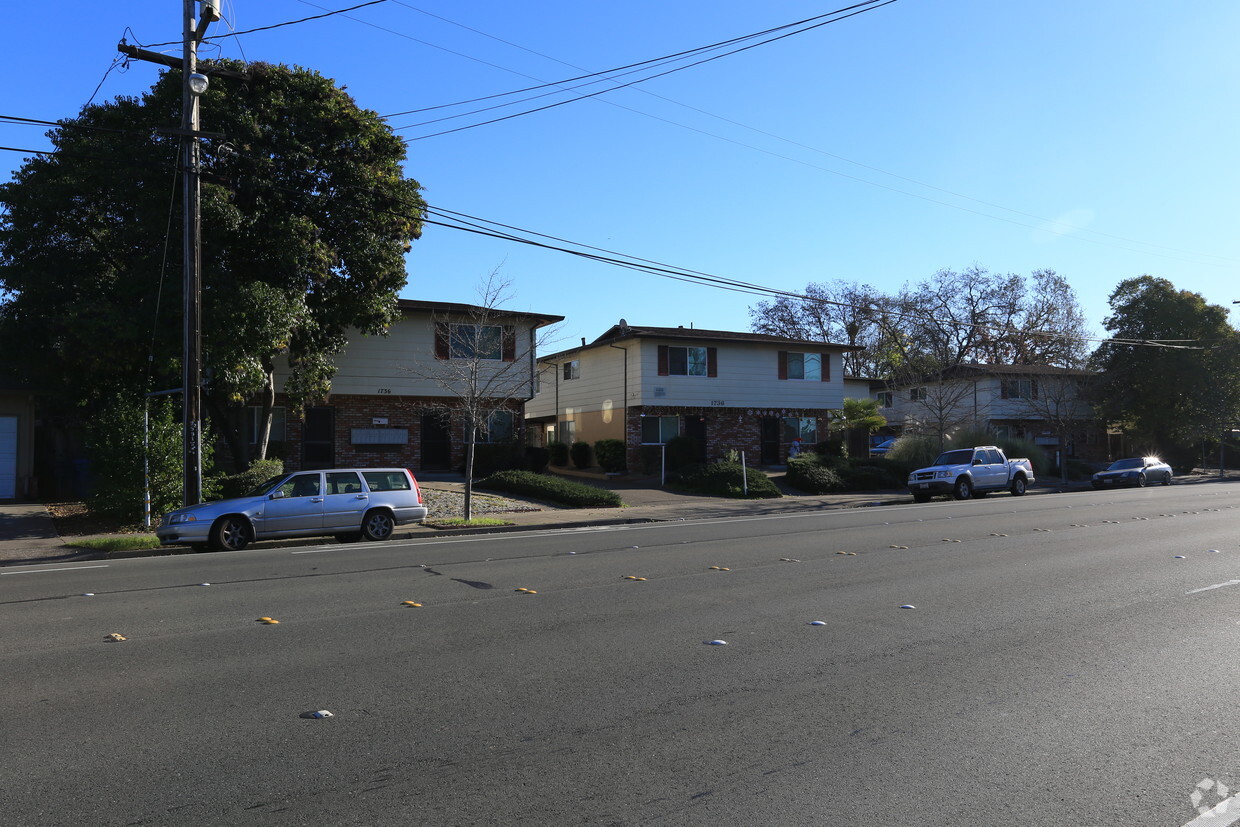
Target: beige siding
{"points": [[748, 377], [403, 363], [599, 389]]}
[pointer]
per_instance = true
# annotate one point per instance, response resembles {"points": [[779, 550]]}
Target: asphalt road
{"points": [[1061, 667]]}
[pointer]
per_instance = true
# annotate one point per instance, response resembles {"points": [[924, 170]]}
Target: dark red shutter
{"points": [[441, 340], [826, 367], [510, 343], [1033, 388], [1003, 389], [663, 360], [712, 361], [783, 364]]}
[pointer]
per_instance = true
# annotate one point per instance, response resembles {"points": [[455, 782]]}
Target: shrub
{"points": [[869, 478], [809, 473], [552, 489], [537, 459], [651, 458], [559, 454], [913, 451], [610, 455], [681, 452], [582, 456], [115, 449], [499, 456], [235, 485], [723, 479], [833, 446], [1012, 448]]}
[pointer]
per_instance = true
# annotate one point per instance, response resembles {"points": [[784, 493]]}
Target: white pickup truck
{"points": [[971, 472]]}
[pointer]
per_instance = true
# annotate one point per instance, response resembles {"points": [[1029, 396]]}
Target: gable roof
{"points": [[624, 331]]}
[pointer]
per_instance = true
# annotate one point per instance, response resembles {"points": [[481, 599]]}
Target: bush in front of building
{"points": [[813, 474], [537, 459], [559, 454], [869, 475], [681, 453], [724, 479], [581, 455], [552, 489], [236, 485], [610, 455], [499, 456]]}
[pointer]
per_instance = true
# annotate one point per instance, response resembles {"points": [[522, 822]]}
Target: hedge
{"points": [[723, 479], [552, 489]]}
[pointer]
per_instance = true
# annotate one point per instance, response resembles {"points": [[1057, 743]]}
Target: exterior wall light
{"points": [[198, 83]]}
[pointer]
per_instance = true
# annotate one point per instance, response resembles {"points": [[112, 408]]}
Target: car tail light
{"points": [[414, 481]]}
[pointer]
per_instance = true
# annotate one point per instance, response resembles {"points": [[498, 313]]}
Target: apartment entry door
{"points": [[436, 443], [769, 434]]}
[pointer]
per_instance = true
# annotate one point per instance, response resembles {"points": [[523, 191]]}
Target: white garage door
{"points": [[8, 457]]}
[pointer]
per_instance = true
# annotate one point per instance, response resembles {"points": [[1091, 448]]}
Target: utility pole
{"points": [[193, 86]]}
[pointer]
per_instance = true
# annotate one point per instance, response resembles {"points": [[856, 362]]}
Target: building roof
{"points": [[458, 309], [624, 331], [972, 371]]}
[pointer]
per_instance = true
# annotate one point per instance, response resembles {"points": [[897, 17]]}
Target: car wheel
{"points": [[921, 498], [1166, 479], [1019, 487], [963, 489], [230, 534], [378, 525], [1140, 480]]}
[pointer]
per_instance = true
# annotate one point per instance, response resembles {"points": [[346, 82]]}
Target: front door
{"points": [[770, 440], [318, 442], [436, 442], [695, 430]]}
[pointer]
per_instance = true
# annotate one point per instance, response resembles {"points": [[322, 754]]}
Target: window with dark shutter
{"points": [[441, 340], [712, 361], [783, 364], [826, 367], [663, 360], [510, 343]]}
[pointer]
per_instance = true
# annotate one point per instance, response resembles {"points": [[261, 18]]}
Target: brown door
{"points": [[318, 439]]}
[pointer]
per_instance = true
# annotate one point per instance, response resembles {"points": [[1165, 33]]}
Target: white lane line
{"points": [[1215, 586], [38, 571], [1222, 814]]}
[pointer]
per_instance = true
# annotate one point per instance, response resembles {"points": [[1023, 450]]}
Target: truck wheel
{"points": [[1018, 486], [963, 489]]}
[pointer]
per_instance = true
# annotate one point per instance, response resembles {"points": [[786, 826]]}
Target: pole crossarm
{"points": [[178, 63]]}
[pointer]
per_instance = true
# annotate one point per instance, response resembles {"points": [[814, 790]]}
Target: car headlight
{"points": [[942, 474], [181, 518]]}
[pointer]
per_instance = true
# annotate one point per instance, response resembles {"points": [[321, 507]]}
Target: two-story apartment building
{"points": [[392, 396], [1036, 402], [724, 390]]}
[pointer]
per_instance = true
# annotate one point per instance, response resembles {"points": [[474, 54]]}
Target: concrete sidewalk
{"points": [[28, 535]]}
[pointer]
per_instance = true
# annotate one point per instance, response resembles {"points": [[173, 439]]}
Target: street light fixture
{"points": [[198, 83]]}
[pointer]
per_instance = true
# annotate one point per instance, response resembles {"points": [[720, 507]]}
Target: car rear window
{"points": [[387, 480]]}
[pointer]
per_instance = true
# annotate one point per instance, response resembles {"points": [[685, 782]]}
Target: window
{"points": [[254, 419], [659, 429], [1018, 389], [686, 361], [885, 399], [813, 367], [387, 480], [805, 366], [917, 395], [804, 428], [572, 370], [343, 482], [474, 341], [501, 427], [301, 485]]}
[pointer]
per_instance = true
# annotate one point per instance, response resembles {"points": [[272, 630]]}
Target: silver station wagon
{"points": [[350, 503]]}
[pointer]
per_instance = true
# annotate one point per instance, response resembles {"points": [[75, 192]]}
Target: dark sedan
{"points": [[1139, 471]]}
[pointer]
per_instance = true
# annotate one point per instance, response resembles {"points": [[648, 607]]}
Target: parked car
{"points": [[350, 503], [971, 472], [881, 447], [1138, 471]]}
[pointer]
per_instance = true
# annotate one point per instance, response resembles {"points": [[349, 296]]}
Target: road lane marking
{"points": [[1222, 814], [1215, 586], [38, 571]]}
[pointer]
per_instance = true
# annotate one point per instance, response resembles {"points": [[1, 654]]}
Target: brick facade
{"points": [[361, 412], [726, 429]]}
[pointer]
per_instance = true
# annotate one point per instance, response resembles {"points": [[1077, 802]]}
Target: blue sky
{"points": [[1095, 138]]}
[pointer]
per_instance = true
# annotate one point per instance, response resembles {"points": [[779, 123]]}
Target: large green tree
{"points": [[306, 217], [1171, 370]]}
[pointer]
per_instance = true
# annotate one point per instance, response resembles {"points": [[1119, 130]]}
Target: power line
{"points": [[272, 26]]}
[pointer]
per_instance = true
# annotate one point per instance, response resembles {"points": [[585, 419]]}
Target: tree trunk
{"points": [[268, 404]]}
